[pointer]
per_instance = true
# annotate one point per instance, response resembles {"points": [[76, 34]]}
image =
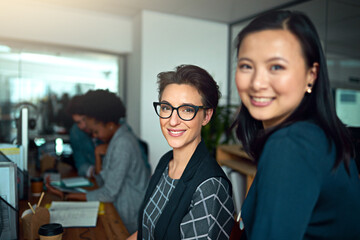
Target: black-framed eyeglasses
{"points": [[185, 112]]}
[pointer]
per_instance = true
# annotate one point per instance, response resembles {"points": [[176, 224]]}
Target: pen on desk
{"points": [[41, 197], [31, 208]]}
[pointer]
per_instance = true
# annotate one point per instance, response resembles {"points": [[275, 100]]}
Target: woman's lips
{"points": [[261, 101], [176, 132]]}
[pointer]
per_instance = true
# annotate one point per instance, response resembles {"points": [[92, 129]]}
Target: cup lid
{"points": [[36, 179], [51, 229]]}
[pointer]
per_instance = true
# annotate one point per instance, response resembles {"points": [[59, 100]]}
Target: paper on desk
{"points": [[74, 214]]}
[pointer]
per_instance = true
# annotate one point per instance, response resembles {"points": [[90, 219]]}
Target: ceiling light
{"points": [[4, 48]]}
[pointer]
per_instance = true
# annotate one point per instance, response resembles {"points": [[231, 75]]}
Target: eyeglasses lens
{"points": [[184, 112]]}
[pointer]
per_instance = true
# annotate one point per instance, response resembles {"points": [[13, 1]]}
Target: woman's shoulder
{"points": [[123, 137], [301, 140], [214, 186], [302, 130], [213, 192]]}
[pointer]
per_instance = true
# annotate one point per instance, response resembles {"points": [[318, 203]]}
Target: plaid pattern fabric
{"points": [[210, 214], [156, 204]]}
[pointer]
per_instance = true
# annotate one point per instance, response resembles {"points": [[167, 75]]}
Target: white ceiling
{"points": [[215, 10], [342, 16]]}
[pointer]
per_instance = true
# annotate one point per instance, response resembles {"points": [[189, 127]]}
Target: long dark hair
{"points": [[317, 106]]}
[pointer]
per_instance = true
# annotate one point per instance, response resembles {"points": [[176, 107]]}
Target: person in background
{"points": [[82, 144], [63, 120], [307, 184], [121, 174], [189, 196]]}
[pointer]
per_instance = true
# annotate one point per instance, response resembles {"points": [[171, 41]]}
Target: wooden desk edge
{"points": [[113, 225], [234, 157], [109, 225]]}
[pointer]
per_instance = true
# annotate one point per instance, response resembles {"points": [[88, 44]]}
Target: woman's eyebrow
{"points": [[277, 59], [244, 59]]}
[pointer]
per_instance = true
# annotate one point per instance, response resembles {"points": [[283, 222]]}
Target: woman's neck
{"points": [[113, 130], [181, 157]]}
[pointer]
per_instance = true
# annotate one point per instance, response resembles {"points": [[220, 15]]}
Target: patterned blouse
{"points": [[210, 214]]}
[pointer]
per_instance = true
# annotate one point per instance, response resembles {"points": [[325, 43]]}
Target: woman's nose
{"points": [[259, 80], [174, 119]]}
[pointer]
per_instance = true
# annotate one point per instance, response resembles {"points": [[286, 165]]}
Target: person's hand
{"points": [[76, 196], [101, 149], [133, 236], [53, 190]]}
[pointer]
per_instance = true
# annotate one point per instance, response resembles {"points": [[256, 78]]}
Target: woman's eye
{"points": [[276, 67], [188, 109], [165, 108], [244, 66]]}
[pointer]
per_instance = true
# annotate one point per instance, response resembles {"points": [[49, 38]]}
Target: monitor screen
{"points": [[347, 104]]}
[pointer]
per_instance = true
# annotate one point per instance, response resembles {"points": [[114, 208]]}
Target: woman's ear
{"points": [[313, 73], [208, 115]]}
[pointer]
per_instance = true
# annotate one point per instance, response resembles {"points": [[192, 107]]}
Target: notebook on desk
{"points": [[72, 185], [76, 182], [74, 214]]}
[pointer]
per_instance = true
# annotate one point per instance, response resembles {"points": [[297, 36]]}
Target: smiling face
{"points": [[180, 134], [272, 76], [80, 121]]}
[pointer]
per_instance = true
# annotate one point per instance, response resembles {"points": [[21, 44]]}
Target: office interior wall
{"points": [[162, 42], [48, 24], [166, 42], [133, 78]]}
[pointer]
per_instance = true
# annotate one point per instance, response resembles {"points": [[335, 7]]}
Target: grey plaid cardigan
{"points": [[201, 166]]}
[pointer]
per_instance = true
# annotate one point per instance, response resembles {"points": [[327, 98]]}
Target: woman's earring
{"points": [[309, 90]]}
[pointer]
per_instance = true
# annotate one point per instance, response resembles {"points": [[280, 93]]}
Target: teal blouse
{"points": [[296, 194]]}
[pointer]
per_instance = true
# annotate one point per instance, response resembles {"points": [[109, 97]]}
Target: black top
{"points": [[200, 168]]}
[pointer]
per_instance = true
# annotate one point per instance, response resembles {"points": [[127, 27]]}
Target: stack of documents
{"points": [[72, 185], [15, 153], [74, 214], [76, 182]]}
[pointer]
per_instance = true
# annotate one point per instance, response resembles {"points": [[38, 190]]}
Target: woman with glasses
{"points": [[189, 196]]}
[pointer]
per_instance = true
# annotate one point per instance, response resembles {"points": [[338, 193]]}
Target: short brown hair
{"points": [[196, 77]]}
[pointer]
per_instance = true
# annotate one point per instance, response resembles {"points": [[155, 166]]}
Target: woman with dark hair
{"points": [[82, 144], [189, 196], [307, 184], [120, 170]]}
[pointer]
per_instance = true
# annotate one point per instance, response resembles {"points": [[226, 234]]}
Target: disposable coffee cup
{"points": [[51, 231], [37, 184]]}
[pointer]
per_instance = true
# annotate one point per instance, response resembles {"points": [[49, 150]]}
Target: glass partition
{"points": [[44, 79]]}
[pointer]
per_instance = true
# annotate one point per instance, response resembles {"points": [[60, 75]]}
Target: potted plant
{"points": [[218, 131]]}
